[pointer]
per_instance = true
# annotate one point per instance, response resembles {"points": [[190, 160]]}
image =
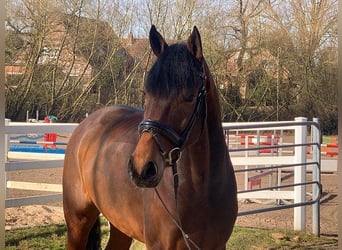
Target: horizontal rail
{"points": [[273, 147], [269, 194], [283, 206], [270, 167], [262, 160], [33, 200], [29, 128], [281, 186], [280, 125], [48, 187], [29, 165], [33, 156], [279, 207]]}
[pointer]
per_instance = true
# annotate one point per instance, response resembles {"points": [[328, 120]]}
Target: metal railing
{"points": [[254, 157]]}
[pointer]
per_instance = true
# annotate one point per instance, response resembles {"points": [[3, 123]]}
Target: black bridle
{"points": [[178, 140]]}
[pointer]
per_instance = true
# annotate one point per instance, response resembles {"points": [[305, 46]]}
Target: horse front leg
{"points": [[118, 240], [78, 229], [80, 215]]}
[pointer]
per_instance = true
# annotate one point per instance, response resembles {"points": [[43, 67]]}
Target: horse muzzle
{"points": [[149, 176]]}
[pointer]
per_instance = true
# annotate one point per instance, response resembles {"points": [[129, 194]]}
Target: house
{"points": [[65, 65], [139, 49], [80, 47]]}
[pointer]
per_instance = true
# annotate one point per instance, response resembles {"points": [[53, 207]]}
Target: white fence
{"points": [[247, 159], [278, 156], [27, 161]]}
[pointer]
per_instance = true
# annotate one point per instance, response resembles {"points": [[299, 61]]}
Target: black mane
{"points": [[175, 69]]}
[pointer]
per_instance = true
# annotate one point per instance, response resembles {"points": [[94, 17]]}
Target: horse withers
{"points": [[162, 176]]}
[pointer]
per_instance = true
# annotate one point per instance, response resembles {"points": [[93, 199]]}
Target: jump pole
{"points": [[300, 175]]}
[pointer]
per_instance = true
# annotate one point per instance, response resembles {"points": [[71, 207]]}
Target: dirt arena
{"points": [[53, 213]]}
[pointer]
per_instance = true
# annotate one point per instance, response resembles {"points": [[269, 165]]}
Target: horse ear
{"points": [[194, 44], [157, 42]]}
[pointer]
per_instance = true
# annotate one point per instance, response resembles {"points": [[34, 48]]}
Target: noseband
{"points": [[178, 140]]}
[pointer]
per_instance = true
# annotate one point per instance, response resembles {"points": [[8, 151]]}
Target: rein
{"points": [[186, 237], [179, 141]]}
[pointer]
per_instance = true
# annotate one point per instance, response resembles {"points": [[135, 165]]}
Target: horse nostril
{"points": [[150, 170], [130, 166], [147, 177]]}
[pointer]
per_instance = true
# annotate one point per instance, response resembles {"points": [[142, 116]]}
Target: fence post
{"points": [[300, 175], [6, 145], [2, 174], [316, 176], [246, 166]]}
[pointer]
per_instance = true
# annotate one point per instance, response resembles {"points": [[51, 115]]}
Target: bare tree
{"points": [[269, 58], [29, 26], [308, 30], [65, 55]]}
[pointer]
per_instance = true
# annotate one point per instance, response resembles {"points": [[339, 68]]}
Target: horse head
{"points": [[175, 107]]}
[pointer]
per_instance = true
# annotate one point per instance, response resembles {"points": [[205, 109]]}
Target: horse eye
{"points": [[189, 98]]}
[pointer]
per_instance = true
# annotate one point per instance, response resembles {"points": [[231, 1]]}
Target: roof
{"points": [[136, 47], [139, 49]]}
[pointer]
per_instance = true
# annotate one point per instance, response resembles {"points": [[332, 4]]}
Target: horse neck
{"points": [[210, 150], [214, 120]]}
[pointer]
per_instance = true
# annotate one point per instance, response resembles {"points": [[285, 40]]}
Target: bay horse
{"points": [[162, 176]]}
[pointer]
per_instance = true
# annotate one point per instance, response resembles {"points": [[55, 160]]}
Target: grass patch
{"points": [[40, 237], [53, 237], [250, 238]]}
